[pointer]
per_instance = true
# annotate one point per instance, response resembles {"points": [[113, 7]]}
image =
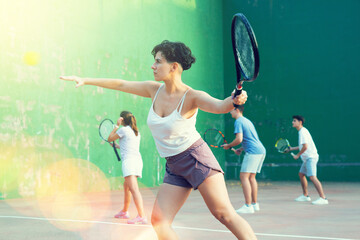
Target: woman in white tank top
{"points": [[175, 106]]}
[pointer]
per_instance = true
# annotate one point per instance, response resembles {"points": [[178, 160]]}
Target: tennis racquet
{"points": [[246, 53], [215, 138], [283, 146], [105, 128]]}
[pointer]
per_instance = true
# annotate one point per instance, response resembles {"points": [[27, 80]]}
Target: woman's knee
{"points": [[126, 187], [223, 215], [157, 219], [133, 188], [132, 184], [154, 220]]}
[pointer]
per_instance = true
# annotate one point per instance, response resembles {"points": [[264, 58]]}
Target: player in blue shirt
{"points": [[255, 152]]}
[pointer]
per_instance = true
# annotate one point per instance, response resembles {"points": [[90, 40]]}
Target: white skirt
{"points": [[132, 165]]}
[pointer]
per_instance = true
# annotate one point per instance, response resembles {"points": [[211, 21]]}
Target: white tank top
{"points": [[173, 134]]}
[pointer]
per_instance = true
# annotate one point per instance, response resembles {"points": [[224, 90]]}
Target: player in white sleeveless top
{"points": [[172, 134], [171, 59]]}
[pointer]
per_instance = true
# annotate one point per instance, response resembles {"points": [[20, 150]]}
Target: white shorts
{"points": [[132, 166], [308, 167], [252, 163]]}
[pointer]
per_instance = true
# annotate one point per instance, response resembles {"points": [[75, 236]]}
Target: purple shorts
{"points": [[191, 167]]}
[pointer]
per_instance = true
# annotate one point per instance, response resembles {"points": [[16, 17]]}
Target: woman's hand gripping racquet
{"points": [[215, 138], [246, 53], [283, 146], [105, 128]]}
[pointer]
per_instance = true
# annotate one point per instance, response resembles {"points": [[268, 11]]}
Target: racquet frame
{"points": [[112, 143], [288, 145], [239, 72], [222, 135]]}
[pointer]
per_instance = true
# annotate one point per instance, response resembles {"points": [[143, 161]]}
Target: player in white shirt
{"points": [[310, 157], [132, 164]]}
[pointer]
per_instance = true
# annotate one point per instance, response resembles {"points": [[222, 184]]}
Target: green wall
{"points": [[45, 120], [309, 61], [48, 129]]}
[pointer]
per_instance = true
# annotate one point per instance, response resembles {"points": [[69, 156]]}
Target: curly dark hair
{"points": [[175, 52]]}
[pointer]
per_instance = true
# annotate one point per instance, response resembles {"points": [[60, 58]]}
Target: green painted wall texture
{"points": [[48, 129], [309, 61], [45, 120]]}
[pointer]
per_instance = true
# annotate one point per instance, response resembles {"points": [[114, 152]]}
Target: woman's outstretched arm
{"points": [[143, 89]]}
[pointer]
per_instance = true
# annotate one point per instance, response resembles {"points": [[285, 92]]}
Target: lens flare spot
{"points": [[74, 190]]}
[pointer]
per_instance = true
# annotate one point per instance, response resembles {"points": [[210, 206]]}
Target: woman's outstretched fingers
{"points": [[79, 81]]}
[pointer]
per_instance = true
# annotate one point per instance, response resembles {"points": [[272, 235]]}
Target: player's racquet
{"points": [[246, 53], [215, 138], [283, 146], [105, 128]]}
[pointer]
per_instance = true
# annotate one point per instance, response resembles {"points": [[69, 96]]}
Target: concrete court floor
{"points": [[280, 217]]}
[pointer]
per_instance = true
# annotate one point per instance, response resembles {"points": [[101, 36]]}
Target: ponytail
{"points": [[130, 120], [133, 125]]}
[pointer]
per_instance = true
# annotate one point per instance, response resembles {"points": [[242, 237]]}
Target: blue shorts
{"points": [[191, 167], [252, 163], [308, 167]]}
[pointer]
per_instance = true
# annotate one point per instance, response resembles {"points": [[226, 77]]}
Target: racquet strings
{"points": [[282, 145], [106, 128], [244, 49], [214, 137]]}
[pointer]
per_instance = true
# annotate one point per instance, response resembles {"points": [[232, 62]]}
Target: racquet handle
{"points": [[238, 90], [117, 154], [292, 154]]}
